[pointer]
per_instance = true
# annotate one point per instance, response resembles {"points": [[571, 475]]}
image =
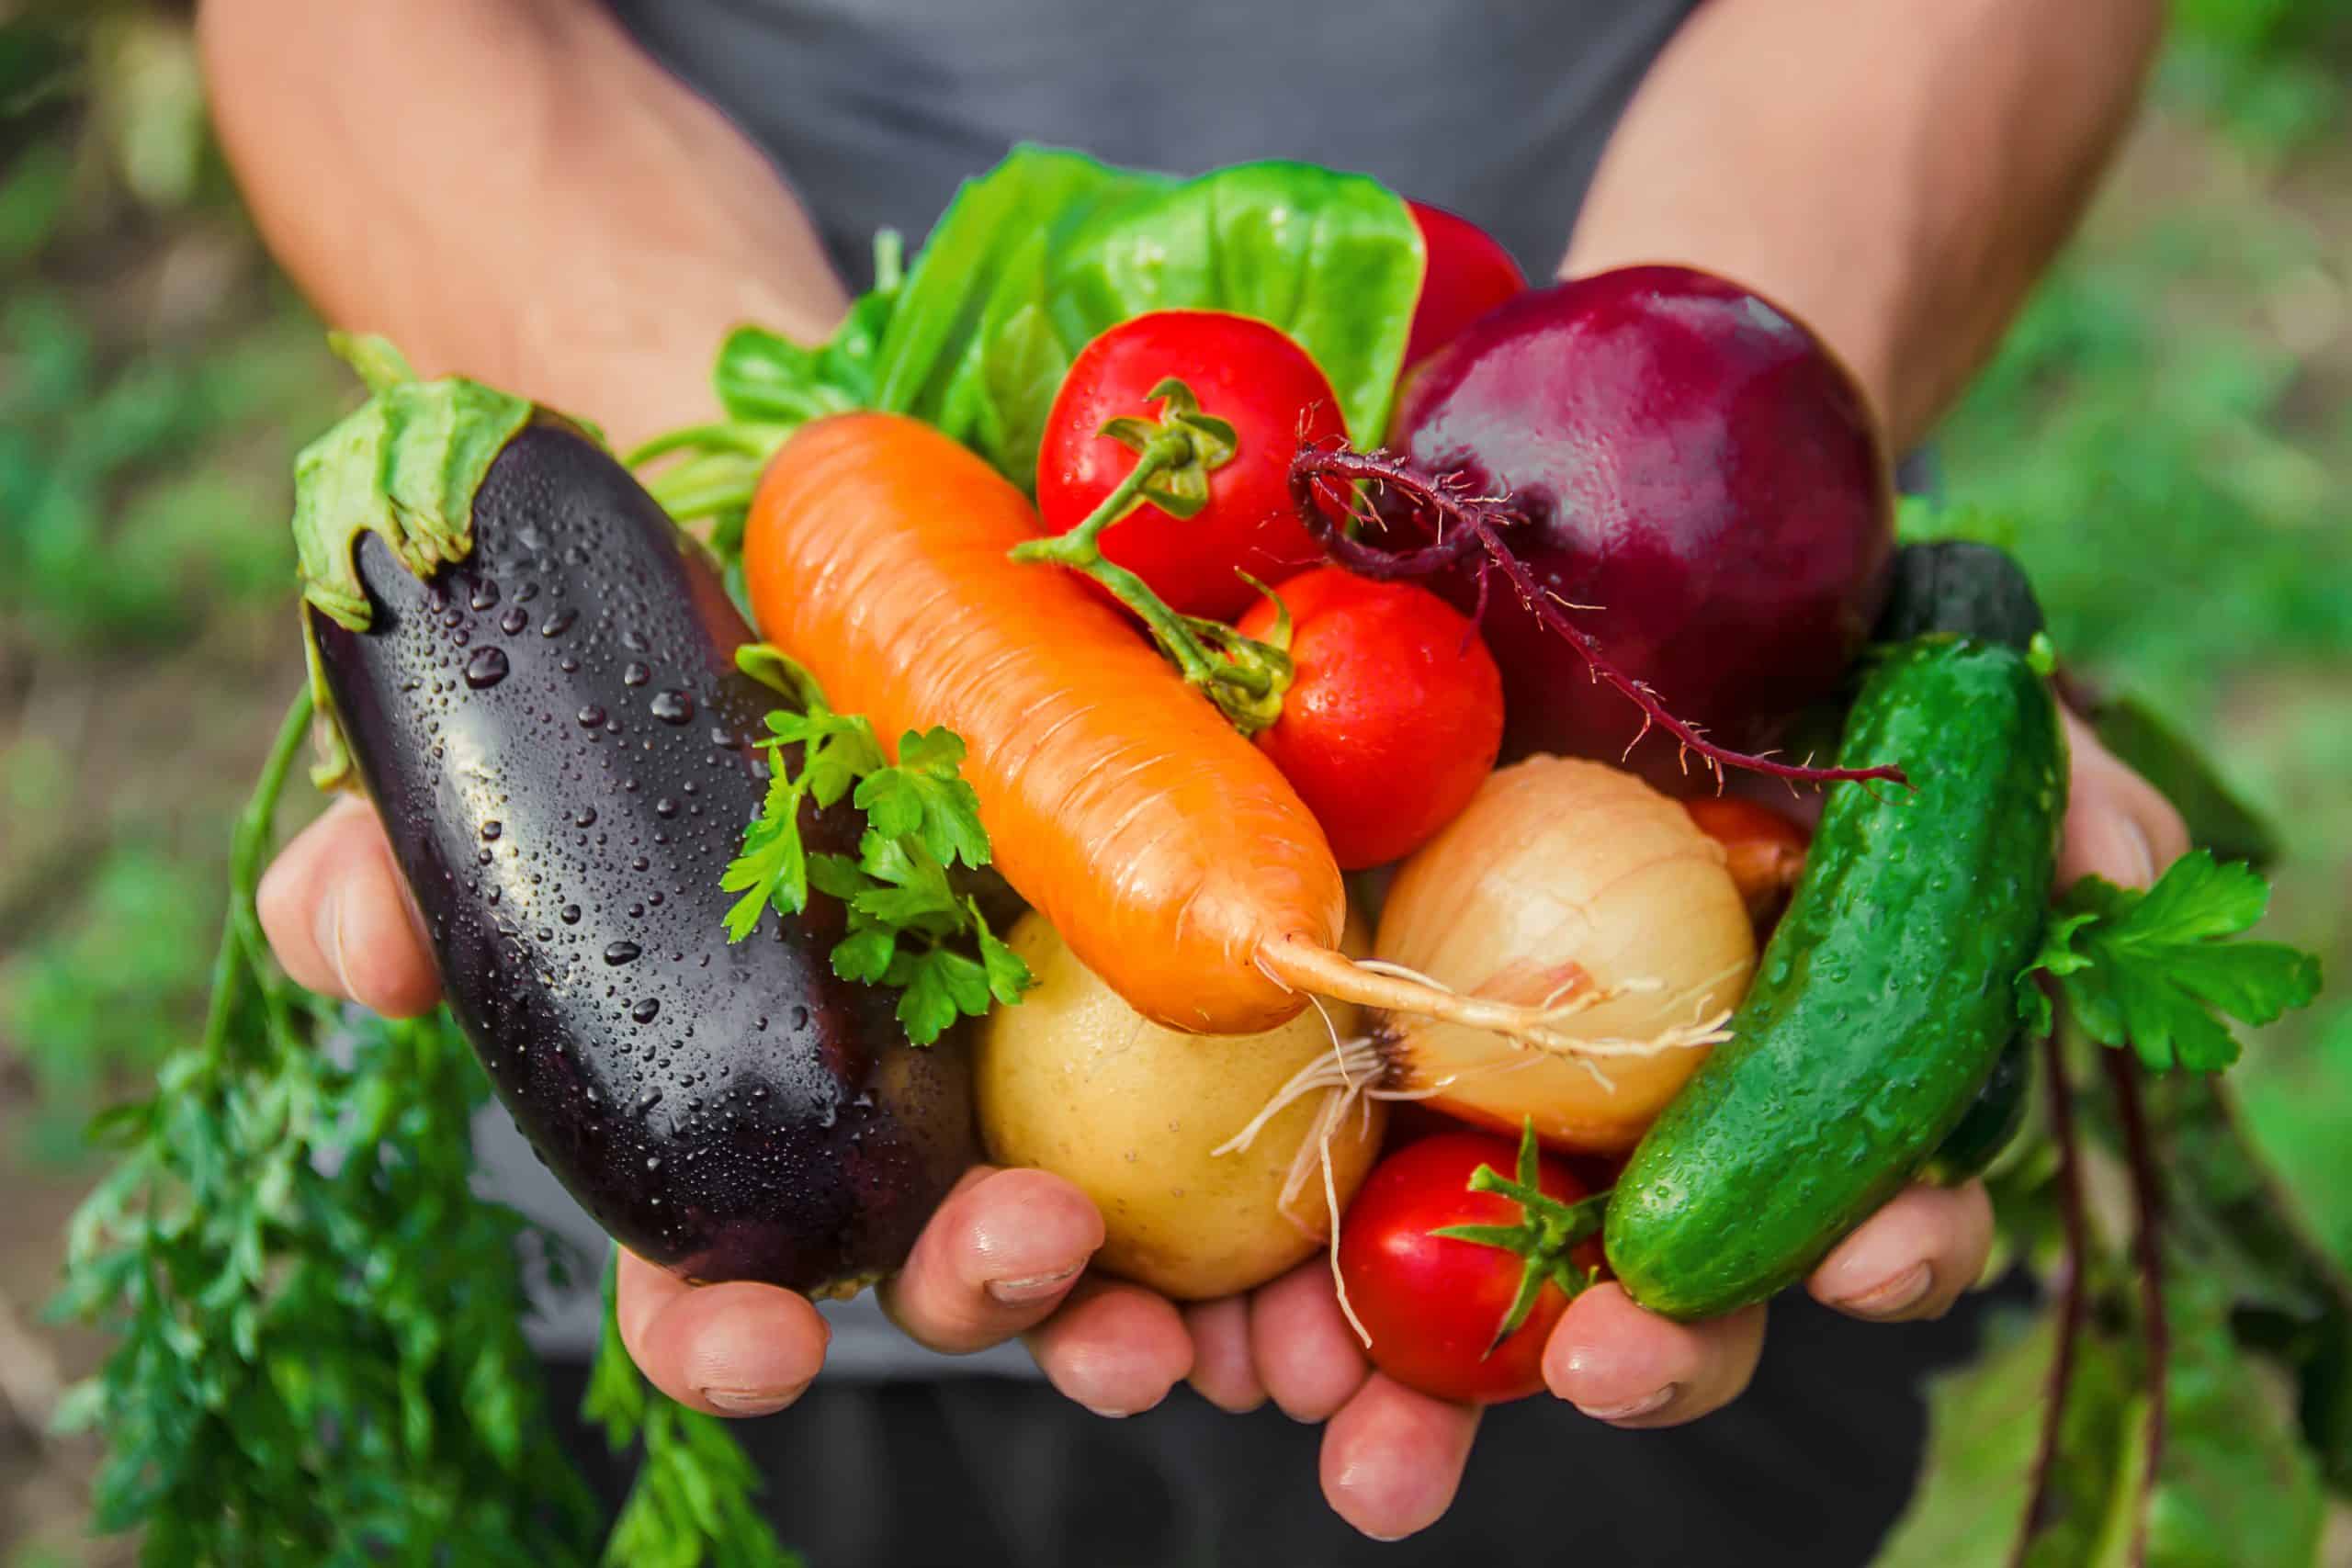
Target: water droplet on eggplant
{"points": [[487, 668]]}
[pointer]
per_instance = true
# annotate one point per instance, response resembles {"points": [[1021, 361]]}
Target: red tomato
{"points": [[1394, 715], [1469, 274], [1764, 851], [1433, 1303], [1245, 372]]}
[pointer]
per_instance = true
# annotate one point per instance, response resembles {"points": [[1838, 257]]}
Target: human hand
{"points": [[1392, 1458], [1001, 1254]]}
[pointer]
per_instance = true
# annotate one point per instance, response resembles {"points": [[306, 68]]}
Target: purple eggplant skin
{"points": [[556, 734]]}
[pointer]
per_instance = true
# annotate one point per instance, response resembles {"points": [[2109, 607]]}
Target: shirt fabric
{"points": [[874, 111]]}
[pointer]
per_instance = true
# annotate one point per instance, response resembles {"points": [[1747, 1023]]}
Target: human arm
{"points": [[1898, 175], [508, 189]]}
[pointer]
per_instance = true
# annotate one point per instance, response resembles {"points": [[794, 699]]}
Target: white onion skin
{"points": [[1560, 866]]}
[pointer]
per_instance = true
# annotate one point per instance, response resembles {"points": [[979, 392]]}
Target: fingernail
{"points": [[1894, 1295], [1638, 1407], [753, 1401], [1035, 1287], [2142, 854], [327, 930]]}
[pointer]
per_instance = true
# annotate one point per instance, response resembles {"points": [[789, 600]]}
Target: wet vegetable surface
{"points": [[1701, 478], [557, 739]]}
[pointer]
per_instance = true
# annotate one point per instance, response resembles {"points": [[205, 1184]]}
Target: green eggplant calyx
{"points": [[404, 467]]}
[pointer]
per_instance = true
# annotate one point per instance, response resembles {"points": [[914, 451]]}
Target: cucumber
{"points": [[1882, 1001], [1958, 585], [1990, 1123]]}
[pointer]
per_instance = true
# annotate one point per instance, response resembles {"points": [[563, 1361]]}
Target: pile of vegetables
{"points": [[969, 747]]}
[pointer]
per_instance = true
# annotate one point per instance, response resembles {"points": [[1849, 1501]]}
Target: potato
{"points": [[1075, 1081]]}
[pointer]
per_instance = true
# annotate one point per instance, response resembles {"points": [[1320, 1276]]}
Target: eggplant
{"points": [[549, 720]]}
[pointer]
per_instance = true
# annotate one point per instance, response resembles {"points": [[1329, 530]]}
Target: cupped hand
{"points": [[1006, 1254], [1003, 1252], [1392, 1458]]}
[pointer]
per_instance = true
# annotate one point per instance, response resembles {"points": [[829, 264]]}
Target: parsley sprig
{"points": [[908, 927], [2154, 969]]}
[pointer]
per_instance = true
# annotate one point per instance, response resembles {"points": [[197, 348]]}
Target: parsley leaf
{"points": [[940, 985], [2154, 969], [772, 867], [908, 927]]}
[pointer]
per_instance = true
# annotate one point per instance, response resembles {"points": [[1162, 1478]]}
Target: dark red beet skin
{"points": [[1695, 466], [556, 734]]}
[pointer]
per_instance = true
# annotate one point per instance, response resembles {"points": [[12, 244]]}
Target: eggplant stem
{"points": [[1477, 524], [2073, 1301]]}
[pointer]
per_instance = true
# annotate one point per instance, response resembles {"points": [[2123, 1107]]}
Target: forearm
{"points": [[509, 188], [1896, 174]]}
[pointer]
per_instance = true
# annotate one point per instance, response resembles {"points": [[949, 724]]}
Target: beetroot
{"points": [[1694, 475]]}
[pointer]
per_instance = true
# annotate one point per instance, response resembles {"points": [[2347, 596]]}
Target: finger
{"points": [[2118, 826], [998, 1256], [1619, 1363], [1307, 1355], [1393, 1458], [334, 911], [734, 1350], [1912, 1258], [1224, 1372], [1116, 1348]]}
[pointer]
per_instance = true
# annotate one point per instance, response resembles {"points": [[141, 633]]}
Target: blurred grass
{"points": [[2171, 422], [155, 379]]}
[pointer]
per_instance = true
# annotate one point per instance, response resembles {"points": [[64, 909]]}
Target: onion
{"points": [[1566, 882]]}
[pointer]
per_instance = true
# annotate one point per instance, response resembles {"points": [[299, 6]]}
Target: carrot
{"points": [[1169, 853]]}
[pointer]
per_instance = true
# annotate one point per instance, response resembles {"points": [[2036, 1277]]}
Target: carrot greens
{"points": [[319, 1354]]}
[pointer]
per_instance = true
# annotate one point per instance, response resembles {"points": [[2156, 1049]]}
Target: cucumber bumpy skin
{"points": [[1882, 1002]]}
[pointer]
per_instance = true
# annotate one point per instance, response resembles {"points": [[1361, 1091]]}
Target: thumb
{"points": [[2118, 827]]}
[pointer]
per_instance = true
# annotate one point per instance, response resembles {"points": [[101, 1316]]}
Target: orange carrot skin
{"points": [[1164, 848]]}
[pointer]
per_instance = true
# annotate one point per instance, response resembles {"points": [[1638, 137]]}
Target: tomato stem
{"points": [[1470, 538], [1548, 1231], [1244, 678]]}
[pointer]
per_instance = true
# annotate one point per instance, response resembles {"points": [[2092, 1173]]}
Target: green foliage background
{"points": [[2169, 428]]}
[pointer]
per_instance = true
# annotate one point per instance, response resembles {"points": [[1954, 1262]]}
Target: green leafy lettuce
{"points": [[1035, 258]]}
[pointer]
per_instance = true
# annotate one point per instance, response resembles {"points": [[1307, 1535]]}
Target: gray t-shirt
{"points": [[874, 109]]}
